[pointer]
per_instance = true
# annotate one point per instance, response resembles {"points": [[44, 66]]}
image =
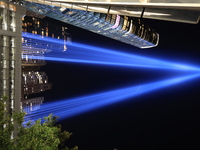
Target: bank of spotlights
{"points": [[71, 107], [80, 53]]}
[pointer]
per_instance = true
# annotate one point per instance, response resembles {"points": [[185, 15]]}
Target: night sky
{"points": [[167, 118]]}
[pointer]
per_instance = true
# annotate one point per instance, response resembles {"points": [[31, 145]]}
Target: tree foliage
{"points": [[43, 134]]}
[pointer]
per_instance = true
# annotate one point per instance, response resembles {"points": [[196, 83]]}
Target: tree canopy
{"points": [[43, 134]]}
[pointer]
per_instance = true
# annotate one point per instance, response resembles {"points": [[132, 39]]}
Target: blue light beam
{"points": [[80, 53], [71, 107]]}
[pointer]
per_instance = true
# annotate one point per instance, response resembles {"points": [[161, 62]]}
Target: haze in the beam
{"points": [[81, 53], [71, 107]]}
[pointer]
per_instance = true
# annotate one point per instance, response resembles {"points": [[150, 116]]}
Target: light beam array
{"points": [[80, 53], [71, 107]]}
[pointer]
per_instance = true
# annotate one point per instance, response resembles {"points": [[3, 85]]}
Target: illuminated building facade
{"points": [[10, 53], [44, 27], [31, 48], [29, 54], [126, 29], [30, 105], [35, 81]]}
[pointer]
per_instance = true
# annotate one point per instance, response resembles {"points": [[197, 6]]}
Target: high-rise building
{"points": [[35, 81], [32, 104], [44, 27], [10, 53], [126, 29]]}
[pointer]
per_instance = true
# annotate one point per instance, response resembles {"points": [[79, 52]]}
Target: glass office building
{"points": [[129, 30], [187, 11]]}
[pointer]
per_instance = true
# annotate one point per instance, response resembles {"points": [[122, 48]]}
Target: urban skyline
{"points": [[160, 119], [35, 81]]}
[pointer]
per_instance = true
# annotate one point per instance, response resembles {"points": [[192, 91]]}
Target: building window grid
{"points": [[7, 18], [126, 34], [7, 81]]}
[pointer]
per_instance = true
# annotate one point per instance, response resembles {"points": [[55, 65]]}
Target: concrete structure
{"points": [[10, 52]]}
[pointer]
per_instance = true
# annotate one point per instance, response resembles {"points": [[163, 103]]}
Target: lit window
{"points": [[62, 9], [96, 23], [2, 4], [11, 7]]}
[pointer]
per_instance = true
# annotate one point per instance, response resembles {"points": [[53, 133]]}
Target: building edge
{"points": [[11, 62]]}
